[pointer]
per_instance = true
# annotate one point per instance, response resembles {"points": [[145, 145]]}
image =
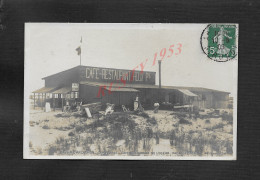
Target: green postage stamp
{"points": [[219, 41]]}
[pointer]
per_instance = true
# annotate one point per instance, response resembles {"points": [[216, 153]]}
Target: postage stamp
{"points": [[130, 91], [219, 42]]}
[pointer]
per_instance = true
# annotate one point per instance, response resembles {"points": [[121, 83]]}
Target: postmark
{"points": [[220, 42]]}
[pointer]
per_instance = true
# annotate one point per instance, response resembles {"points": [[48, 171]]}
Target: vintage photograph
{"points": [[130, 91]]}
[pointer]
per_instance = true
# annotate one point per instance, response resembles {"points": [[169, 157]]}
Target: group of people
{"points": [[73, 106]]}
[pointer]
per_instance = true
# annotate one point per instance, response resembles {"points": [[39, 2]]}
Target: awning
{"points": [[116, 85], [122, 89], [45, 90], [187, 92], [63, 90]]}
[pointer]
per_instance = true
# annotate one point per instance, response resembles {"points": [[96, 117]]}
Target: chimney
{"points": [[160, 83]]}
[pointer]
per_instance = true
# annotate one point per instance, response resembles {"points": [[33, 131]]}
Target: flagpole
{"points": [[80, 57], [80, 49]]}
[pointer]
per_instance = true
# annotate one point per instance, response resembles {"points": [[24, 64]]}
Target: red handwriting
{"points": [[172, 50]]}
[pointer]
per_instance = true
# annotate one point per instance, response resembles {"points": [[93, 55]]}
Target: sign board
{"points": [[75, 87], [88, 112], [99, 74]]}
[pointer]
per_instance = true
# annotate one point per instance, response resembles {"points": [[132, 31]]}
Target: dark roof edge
{"points": [[95, 67], [61, 72]]}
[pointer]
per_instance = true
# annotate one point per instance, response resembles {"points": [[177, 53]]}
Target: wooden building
{"points": [[121, 87]]}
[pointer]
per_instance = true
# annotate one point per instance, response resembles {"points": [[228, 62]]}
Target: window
{"points": [[72, 95], [76, 94]]}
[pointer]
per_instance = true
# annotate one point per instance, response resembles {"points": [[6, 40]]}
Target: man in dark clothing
{"points": [[172, 137], [157, 138]]}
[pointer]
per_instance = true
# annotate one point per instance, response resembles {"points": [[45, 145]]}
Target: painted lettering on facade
{"points": [[113, 75]]}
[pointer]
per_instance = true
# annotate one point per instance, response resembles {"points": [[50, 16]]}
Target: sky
{"points": [[51, 48]]}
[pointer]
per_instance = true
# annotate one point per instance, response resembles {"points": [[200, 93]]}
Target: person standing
{"points": [[156, 107], [157, 138], [136, 103], [172, 137]]}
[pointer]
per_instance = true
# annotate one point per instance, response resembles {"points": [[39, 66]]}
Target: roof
{"points": [[62, 90], [194, 89], [80, 66], [45, 90], [187, 92], [62, 72]]}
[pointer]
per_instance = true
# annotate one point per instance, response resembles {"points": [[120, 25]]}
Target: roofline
{"points": [[187, 87], [61, 72], [95, 67]]}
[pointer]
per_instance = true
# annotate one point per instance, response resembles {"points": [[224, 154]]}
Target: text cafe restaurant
{"points": [[120, 87]]}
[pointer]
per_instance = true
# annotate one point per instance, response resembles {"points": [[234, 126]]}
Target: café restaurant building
{"points": [[88, 84]]}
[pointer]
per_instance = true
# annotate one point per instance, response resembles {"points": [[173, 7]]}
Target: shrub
{"points": [[52, 149], [207, 121], [143, 114], [79, 129], [94, 125], [217, 126], [184, 121], [77, 115], [45, 127], [229, 147], [58, 115], [152, 120], [181, 115], [230, 122], [60, 140], [97, 124], [71, 134], [227, 117]]}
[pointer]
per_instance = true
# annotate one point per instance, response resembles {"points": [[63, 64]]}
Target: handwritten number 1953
{"points": [[163, 52]]}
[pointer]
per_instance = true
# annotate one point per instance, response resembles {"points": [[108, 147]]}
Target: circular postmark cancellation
{"points": [[219, 42]]}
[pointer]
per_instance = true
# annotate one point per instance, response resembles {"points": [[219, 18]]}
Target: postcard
{"points": [[130, 91]]}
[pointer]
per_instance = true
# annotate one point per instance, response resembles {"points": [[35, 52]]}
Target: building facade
{"points": [[121, 87]]}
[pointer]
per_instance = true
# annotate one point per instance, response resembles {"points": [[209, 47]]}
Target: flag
{"points": [[81, 40], [78, 50]]}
